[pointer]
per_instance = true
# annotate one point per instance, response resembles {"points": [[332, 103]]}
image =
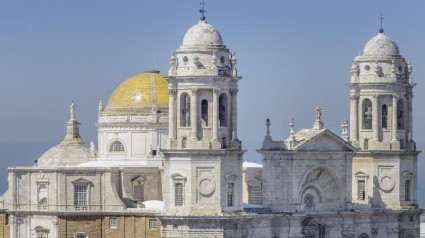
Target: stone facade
{"points": [[169, 162]]}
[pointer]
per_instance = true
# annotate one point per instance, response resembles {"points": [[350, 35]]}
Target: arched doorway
{"points": [[313, 228]]}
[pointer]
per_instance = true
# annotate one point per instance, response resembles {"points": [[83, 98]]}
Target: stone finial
{"points": [[292, 132], [409, 71], [268, 137], [72, 112], [344, 126], [233, 61], [100, 109], [72, 128], [318, 124], [92, 149]]}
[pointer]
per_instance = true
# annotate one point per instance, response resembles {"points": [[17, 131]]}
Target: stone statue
{"points": [[92, 149], [155, 108], [318, 114]]}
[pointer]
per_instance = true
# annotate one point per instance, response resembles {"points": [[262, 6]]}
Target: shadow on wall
{"points": [[19, 154], [377, 199]]}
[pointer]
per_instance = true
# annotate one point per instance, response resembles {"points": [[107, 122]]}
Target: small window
{"points": [[81, 197], [138, 190], [6, 219], [222, 59], [400, 114], [230, 194], [407, 184], [117, 146], [179, 194], [361, 190], [184, 143], [154, 152], [152, 224], [81, 236], [223, 143], [384, 117], [364, 235], [254, 192], [175, 227], [185, 59], [400, 68], [204, 111], [113, 223]]}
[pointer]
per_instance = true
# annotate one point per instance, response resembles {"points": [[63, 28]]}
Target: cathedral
{"points": [[169, 162]]}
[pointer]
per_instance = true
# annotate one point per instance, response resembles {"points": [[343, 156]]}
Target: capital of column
{"points": [[354, 97], [395, 96], [216, 90], [194, 91], [234, 91], [172, 92]]}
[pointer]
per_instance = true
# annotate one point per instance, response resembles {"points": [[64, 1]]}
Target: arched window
{"points": [[116, 146], [42, 197], [364, 235], [367, 114], [222, 110], [204, 111], [309, 202], [185, 110], [400, 114], [384, 116]]}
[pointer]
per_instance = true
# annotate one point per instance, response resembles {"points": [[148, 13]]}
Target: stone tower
{"points": [[381, 97], [203, 164]]}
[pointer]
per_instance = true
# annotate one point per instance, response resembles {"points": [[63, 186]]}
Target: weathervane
{"points": [[381, 30], [202, 10]]}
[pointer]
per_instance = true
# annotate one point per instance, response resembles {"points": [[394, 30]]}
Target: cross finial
{"points": [[381, 30], [202, 10]]}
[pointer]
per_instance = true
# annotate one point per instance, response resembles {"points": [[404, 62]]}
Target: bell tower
{"points": [[203, 163], [381, 97]]}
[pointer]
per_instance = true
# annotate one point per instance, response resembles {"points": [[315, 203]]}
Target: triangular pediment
{"points": [[325, 141]]}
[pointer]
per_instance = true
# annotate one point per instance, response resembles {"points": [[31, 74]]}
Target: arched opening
{"points": [[364, 235], [313, 228], [185, 110], [42, 197], [367, 114], [222, 110], [117, 146], [384, 117], [400, 114], [204, 111]]}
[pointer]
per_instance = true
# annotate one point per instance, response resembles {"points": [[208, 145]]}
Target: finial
{"points": [[381, 30], [268, 137], [202, 10], [92, 149], [100, 106], [344, 126], [292, 133], [72, 111], [318, 124]]}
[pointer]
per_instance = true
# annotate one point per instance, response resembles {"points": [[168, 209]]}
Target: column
{"points": [[394, 118], [410, 116], [194, 114], [172, 113], [234, 93], [354, 117], [215, 113], [375, 119]]}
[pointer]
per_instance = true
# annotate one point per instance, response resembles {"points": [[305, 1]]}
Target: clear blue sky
{"points": [[293, 56]]}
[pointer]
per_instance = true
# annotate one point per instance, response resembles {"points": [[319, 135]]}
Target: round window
{"points": [[185, 59], [400, 68], [309, 201], [222, 59], [367, 67]]}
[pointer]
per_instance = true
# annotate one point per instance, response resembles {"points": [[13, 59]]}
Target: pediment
{"points": [[82, 181], [325, 141]]}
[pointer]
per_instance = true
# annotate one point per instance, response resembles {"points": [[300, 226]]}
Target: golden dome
{"points": [[140, 93]]}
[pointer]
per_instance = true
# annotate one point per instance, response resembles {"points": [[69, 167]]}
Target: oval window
{"points": [[400, 68], [185, 59], [367, 67], [222, 59]]}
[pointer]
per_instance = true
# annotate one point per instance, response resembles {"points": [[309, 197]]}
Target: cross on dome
{"points": [[202, 10], [381, 30]]}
